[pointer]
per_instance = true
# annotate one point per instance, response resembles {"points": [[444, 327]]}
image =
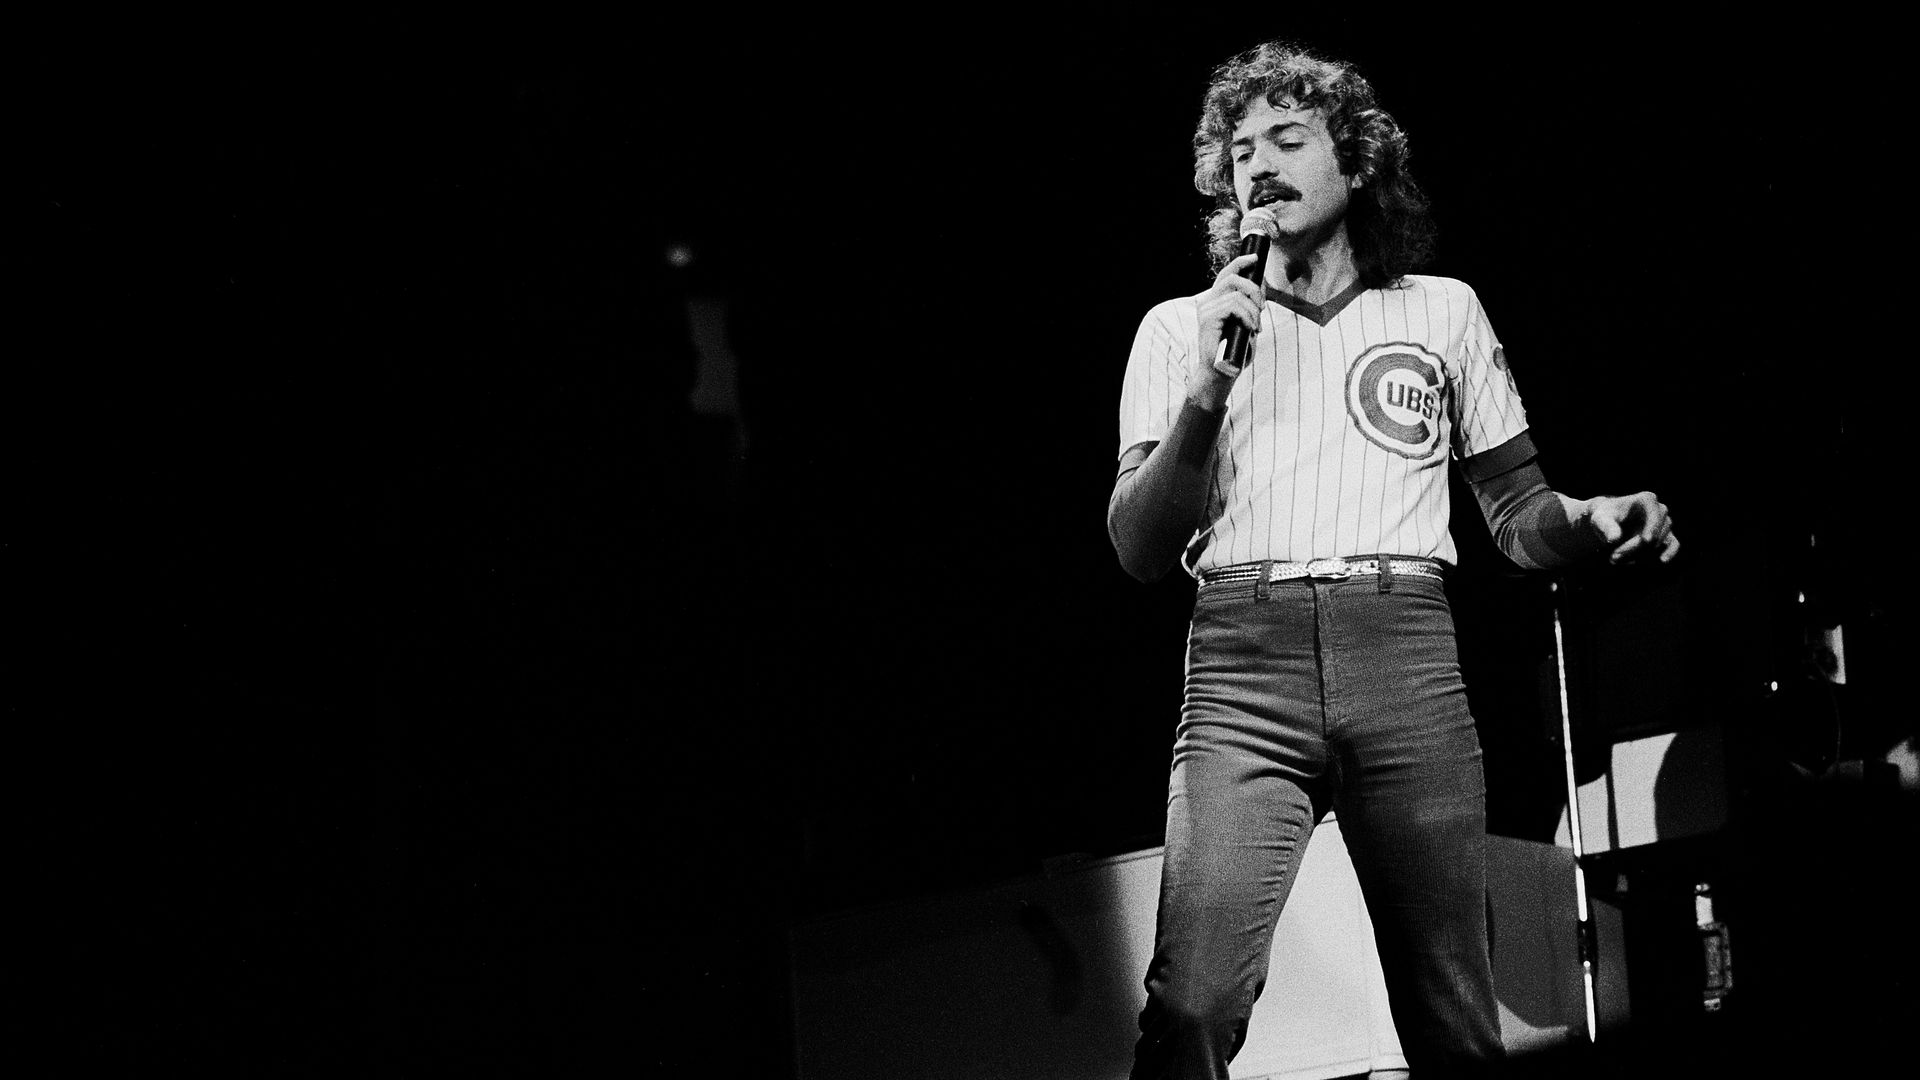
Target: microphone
{"points": [[1257, 230]]}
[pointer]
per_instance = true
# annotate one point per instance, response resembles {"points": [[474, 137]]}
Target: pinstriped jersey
{"points": [[1336, 437]]}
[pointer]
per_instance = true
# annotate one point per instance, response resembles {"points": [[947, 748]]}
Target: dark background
{"points": [[437, 691]]}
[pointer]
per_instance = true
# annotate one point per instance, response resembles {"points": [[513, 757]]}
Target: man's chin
{"points": [[1301, 236]]}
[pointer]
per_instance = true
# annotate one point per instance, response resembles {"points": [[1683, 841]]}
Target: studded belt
{"points": [[1321, 570]]}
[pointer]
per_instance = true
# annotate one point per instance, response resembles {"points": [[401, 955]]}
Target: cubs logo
{"points": [[1394, 396]]}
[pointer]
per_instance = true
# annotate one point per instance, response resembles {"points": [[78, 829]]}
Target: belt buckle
{"points": [[1329, 569]]}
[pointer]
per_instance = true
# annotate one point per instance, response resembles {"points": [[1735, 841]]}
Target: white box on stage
{"points": [[1664, 786], [1042, 978]]}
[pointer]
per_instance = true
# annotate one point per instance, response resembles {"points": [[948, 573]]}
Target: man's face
{"points": [[1284, 159]]}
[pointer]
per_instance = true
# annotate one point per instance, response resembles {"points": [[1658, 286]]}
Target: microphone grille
{"points": [[1260, 220]]}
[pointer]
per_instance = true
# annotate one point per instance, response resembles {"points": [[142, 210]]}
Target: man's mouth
{"points": [[1267, 196]]}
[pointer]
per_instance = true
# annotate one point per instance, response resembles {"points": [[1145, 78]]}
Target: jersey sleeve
{"points": [[1156, 381], [1487, 407]]}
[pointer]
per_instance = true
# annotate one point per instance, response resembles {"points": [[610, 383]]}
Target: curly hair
{"points": [[1388, 222]]}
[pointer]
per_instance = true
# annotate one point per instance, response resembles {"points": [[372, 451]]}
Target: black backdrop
{"points": [[439, 692]]}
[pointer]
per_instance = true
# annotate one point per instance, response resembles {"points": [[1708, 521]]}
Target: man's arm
{"points": [[1162, 487], [1541, 529], [1159, 494]]}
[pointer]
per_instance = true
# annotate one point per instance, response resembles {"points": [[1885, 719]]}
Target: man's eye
{"points": [[1291, 145]]}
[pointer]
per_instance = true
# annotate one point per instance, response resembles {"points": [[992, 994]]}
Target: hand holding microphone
{"points": [[1230, 313], [1257, 230]]}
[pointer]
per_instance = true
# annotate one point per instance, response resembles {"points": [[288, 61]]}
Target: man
{"points": [[1305, 488]]}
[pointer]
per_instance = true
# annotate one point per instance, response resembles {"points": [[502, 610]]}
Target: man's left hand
{"points": [[1637, 528]]}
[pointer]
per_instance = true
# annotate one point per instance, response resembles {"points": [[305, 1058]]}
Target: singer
{"points": [[1301, 479]]}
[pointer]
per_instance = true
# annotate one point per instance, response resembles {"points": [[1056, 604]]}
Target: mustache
{"points": [[1271, 191]]}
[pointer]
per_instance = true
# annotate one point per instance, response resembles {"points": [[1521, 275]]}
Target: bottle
{"points": [[1715, 950]]}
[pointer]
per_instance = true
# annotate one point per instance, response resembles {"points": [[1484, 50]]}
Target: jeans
{"points": [[1305, 696]]}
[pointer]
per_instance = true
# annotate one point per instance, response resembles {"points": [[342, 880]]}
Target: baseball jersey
{"points": [[1337, 434]]}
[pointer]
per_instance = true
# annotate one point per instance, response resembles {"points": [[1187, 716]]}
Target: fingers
{"points": [[1231, 306], [1628, 519], [1670, 548], [1237, 266], [1218, 311], [1638, 527], [1233, 299], [1233, 276]]}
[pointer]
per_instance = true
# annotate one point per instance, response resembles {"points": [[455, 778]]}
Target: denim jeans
{"points": [[1305, 696]]}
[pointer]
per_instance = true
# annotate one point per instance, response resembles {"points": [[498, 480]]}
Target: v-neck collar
{"points": [[1319, 313]]}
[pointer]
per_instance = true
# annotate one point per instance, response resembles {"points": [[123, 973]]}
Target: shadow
{"points": [[1037, 976], [1690, 789]]}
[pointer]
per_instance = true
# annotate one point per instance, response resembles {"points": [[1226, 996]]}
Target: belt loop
{"points": [[1263, 585], [1386, 572]]}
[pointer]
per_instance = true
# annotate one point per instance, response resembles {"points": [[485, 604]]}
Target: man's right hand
{"points": [[1232, 299]]}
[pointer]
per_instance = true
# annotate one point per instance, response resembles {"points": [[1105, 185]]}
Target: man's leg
{"points": [[1412, 804], [1234, 841], [1239, 815]]}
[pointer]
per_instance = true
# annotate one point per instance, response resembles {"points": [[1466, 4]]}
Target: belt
{"points": [[1320, 570]]}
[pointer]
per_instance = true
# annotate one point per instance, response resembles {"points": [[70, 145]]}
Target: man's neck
{"points": [[1314, 273]]}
